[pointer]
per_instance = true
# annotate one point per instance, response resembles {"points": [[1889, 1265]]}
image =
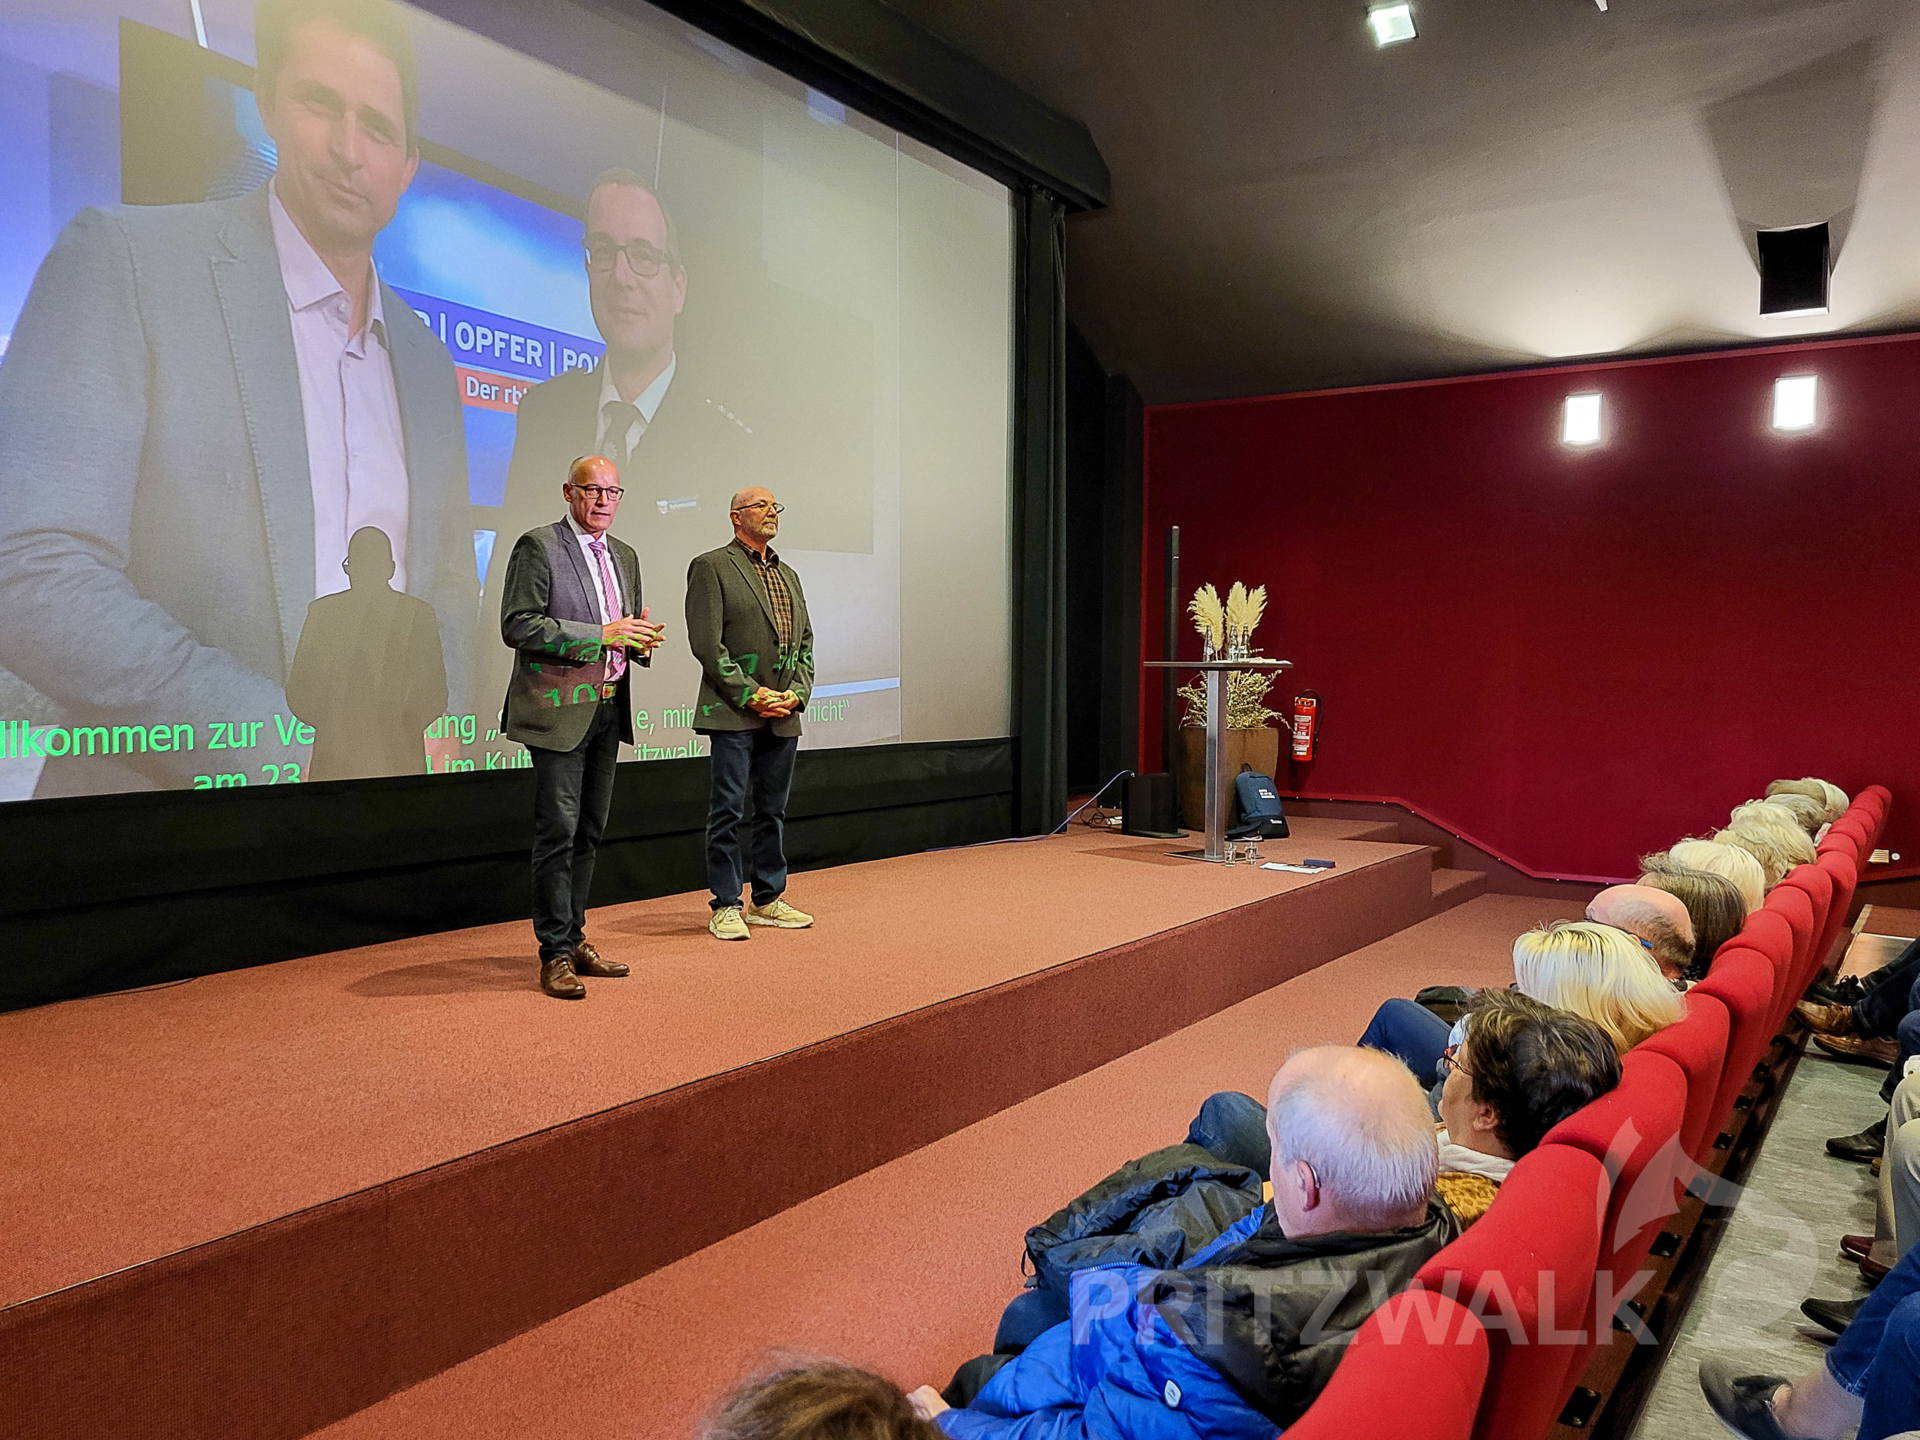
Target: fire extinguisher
{"points": [[1306, 723]]}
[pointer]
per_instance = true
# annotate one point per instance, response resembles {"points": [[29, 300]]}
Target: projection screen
{"points": [[208, 579]]}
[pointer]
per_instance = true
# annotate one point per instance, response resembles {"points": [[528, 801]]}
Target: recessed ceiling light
{"points": [[1795, 398], [1580, 420], [1391, 23]]}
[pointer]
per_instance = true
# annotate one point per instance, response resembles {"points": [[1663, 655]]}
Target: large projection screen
{"points": [[193, 542]]}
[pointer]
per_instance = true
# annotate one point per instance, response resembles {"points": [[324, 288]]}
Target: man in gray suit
{"points": [[203, 402], [747, 623], [570, 610]]}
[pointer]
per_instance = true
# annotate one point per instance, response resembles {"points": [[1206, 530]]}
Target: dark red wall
{"points": [[1569, 656]]}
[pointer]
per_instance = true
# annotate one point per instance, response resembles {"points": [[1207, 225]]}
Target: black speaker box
{"points": [[1794, 265], [1147, 806]]}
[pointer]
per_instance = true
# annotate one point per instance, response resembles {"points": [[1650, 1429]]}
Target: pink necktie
{"points": [[616, 655]]}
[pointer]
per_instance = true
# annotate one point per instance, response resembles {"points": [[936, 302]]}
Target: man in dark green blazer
{"points": [[570, 609], [747, 623]]}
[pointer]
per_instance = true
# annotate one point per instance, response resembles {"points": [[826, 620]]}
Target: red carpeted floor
{"points": [[907, 1267], [144, 1123]]}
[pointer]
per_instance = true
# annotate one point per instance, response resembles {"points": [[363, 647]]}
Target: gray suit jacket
{"points": [[550, 617], [156, 512], [730, 627]]}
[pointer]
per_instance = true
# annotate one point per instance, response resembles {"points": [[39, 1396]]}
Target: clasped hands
{"points": [[635, 632], [774, 704]]}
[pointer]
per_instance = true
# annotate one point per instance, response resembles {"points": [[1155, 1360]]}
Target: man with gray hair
{"points": [[1243, 1334]]}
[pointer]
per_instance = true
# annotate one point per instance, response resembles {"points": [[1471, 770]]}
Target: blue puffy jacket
{"points": [[1231, 1346]]}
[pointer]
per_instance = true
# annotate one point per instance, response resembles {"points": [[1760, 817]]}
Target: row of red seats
{"points": [[1501, 1325]]}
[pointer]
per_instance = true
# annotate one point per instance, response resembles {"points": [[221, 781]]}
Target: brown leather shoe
{"points": [[1872, 1271], [1859, 1051], [558, 980], [1825, 1019], [587, 961], [1856, 1247]]}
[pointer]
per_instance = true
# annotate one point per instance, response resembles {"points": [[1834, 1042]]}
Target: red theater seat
{"points": [[1817, 885], [1419, 1348], [1698, 1045], [1845, 876], [1635, 1133], [1791, 904], [1742, 980], [1525, 1271], [1768, 933]]}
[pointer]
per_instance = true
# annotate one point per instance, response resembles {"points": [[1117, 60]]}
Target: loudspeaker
{"points": [[1147, 805], [1793, 271]]}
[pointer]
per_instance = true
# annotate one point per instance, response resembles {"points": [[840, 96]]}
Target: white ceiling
{"points": [[1530, 180]]}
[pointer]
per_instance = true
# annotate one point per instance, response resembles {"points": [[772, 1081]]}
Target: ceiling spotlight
{"points": [[1795, 399], [1391, 23], [1580, 420]]}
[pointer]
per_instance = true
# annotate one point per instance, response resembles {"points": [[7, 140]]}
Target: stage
{"points": [[257, 1202]]}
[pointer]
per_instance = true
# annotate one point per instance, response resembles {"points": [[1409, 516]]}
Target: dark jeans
{"points": [[1892, 995], [1891, 1009], [760, 763], [571, 792], [1414, 1033], [1028, 1316], [1877, 1357], [1234, 1127]]}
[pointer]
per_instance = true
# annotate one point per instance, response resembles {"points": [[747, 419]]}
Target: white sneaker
{"points": [[726, 924], [779, 914]]}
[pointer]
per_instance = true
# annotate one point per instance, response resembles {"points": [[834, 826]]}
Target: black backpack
{"points": [[1256, 803]]}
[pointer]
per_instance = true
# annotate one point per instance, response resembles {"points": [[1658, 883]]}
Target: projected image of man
{"points": [[642, 406], [747, 625], [240, 393]]}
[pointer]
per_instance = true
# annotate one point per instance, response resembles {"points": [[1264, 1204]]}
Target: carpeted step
{"points": [[1456, 887], [906, 1267]]}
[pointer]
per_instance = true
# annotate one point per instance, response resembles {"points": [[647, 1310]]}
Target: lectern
{"points": [[1217, 780]]}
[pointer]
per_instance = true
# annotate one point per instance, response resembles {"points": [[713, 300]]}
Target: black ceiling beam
{"points": [[877, 61]]}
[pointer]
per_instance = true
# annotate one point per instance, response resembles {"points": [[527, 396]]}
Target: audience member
{"points": [[1594, 970], [1896, 1208], [1769, 834], [1522, 1069], [1731, 861], [1659, 921], [1831, 797], [1809, 814], [821, 1401], [1871, 1378], [1881, 1028], [1352, 1219], [1713, 904]]}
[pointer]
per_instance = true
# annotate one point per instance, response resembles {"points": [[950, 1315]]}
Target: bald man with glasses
{"points": [[747, 624]]}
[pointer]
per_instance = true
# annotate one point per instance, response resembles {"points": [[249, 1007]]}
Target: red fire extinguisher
{"points": [[1306, 723]]}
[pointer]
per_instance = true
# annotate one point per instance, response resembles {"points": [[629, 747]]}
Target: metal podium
{"points": [[1217, 781]]}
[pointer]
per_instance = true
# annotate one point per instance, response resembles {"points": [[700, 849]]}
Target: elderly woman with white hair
{"points": [[1597, 971], [1731, 861], [1771, 835]]}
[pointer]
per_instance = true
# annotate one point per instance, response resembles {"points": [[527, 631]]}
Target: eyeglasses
{"points": [[645, 261], [777, 509], [1450, 1061], [594, 492]]}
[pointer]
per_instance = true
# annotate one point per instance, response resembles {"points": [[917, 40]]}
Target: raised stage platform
{"points": [[258, 1202]]}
